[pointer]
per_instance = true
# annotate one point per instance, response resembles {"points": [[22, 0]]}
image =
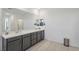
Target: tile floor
{"points": [[47, 45]]}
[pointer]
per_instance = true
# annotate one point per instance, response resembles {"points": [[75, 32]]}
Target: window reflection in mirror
{"points": [[7, 23], [12, 23]]}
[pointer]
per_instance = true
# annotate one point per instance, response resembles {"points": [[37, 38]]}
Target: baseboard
{"points": [[71, 45]]}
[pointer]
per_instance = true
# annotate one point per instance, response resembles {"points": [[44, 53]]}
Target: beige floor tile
{"points": [[47, 45]]}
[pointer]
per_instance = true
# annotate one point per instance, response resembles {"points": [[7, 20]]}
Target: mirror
{"points": [[19, 25], [11, 22], [7, 23]]}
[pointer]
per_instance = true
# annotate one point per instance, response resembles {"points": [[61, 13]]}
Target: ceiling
{"points": [[31, 10]]}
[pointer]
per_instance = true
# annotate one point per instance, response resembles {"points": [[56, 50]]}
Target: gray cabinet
{"points": [[21, 43], [12, 44], [33, 38], [40, 35], [26, 41], [37, 37]]}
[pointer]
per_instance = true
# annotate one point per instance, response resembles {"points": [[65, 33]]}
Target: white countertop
{"points": [[14, 34]]}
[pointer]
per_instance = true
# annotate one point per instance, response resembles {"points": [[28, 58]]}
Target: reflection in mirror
{"points": [[20, 24], [7, 23], [12, 23]]}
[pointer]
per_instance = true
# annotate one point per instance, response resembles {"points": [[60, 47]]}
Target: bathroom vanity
{"points": [[15, 24], [22, 40]]}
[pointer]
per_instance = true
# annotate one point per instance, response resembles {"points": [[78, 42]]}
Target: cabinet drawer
{"points": [[39, 32], [33, 38], [26, 35], [42, 34], [13, 39], [33, 42], [34, 35]]}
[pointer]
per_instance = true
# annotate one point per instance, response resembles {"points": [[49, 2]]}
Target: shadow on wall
{"points": [[0, 43]]}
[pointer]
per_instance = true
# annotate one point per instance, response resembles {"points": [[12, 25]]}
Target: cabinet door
{"points": [[26, 43], [42, 35], [33, 38], [38, 36], [14, 45]]}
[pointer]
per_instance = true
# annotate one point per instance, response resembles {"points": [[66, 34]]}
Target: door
{"points": [[42, 35], [26, 42], [33, 38], [14, 45], [38, 36]]}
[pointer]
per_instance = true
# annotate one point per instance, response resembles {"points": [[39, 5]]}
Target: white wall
{"points": [[0, 21], [0, 29], [62, 23]]}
